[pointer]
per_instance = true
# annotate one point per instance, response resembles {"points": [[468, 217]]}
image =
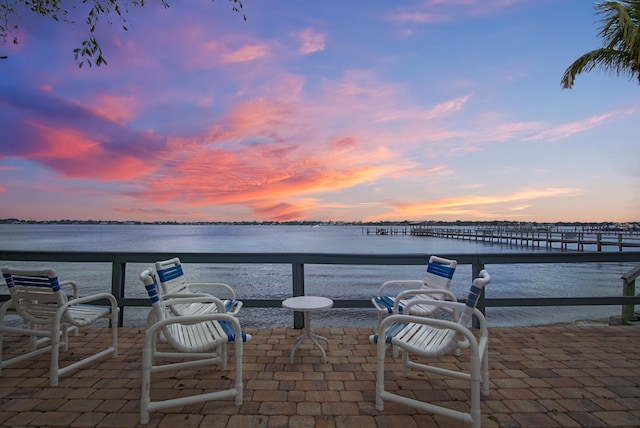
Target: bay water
{"points": [[273, 281]]}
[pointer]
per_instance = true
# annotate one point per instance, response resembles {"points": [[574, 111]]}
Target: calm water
{"points": [[340, 282]]}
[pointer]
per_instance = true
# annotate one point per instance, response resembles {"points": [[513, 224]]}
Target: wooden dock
{"points": [[388, 230], [563, 239]]}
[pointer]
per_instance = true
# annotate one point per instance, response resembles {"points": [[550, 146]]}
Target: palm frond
{"points": [[620, 33]]}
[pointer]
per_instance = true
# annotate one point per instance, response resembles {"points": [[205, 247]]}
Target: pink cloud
{"points": [[568, 129], [311, 41], [76, 155], [118, 109], [246, 53]]}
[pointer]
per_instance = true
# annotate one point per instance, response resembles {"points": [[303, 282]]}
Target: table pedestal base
{"points": [[314, 338]]}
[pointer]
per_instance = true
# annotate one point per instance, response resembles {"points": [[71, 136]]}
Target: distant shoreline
{"points": [[495, 223]]}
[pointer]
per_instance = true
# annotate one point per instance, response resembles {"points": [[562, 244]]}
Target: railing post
{"points": [[599, 239], [629, 289], [118, 272], [475, 271], [298, 290]]}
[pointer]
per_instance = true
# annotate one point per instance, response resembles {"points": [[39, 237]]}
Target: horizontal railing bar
{"points": [[119, 260], [489, 302], [321, 258], [561, 301]]}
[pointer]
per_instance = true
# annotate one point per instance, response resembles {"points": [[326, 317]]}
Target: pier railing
{"points": [[580, 240], [297, 261]]}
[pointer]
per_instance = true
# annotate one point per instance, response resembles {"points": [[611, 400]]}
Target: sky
{"points": [[320, 111]]}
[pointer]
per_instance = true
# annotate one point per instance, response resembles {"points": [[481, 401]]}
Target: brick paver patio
{"points": [[556, 376]]}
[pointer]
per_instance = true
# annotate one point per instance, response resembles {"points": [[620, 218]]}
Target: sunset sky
{"points": [[319, 110]]}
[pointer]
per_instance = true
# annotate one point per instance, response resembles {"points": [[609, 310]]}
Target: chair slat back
{"points": [[36, 294], [475, 292], [148, 278], [439, 272], [172, 276]]}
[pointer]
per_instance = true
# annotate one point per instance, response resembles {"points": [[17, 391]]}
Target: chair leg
{"points": [[55, 356], [485, 373], [114, 330], [222, 353], [33, 340], [147, 362], [405, 363], [238, 380], [476, 376], [65, 338], [381, 351]]}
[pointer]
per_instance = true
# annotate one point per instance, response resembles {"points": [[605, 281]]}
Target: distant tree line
{"points": [[406, 223]]}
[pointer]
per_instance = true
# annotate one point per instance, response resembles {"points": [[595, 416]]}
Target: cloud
{"points": [[444, 11], [246, 53], [74, 155], [569, 129], [279, 212], [474, 205], [418, 17], [311, 41], [74, 141], [520, 207], [120, 109], [202, 120]]}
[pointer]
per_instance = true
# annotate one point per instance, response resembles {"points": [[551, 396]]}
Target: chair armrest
{"points": [[74, 287], [456, 307], [92, 298], [83, 300], [425, 301], [214, 285], [396, 282], [4, 308]]}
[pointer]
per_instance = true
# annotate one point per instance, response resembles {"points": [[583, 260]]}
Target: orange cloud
{"points": [[266, 174], [278, 212], [474, 205]]}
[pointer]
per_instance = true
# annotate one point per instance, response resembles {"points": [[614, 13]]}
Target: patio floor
{"points": [[552, 376]]}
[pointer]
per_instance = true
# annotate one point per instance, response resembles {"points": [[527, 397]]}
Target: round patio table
{"points": [[308, 304]]}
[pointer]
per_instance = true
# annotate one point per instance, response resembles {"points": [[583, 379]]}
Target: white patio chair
{"points": [[193, 340], [174, 284], [434, 286], [427, 338], [47, 316]]}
